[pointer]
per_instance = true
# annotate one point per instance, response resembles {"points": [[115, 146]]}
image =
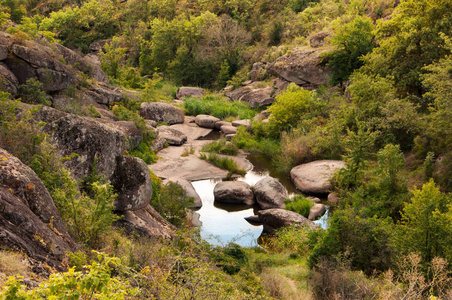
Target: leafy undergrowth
{"points": [[218, 106], [223, 163], [221, 146]]}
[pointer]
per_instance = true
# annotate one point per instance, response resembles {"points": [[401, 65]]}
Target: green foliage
{"points": [[112, 60], [16, 9], [426, 223], [291, 107], [95, 282], [218, 106], [171, 201], [293, 239], [78, 27], [300, 205], [410, 40], [31, 92], [222, 146], [365, 242], [145, 152], [230, 259], [352, 40], [223, 163]]}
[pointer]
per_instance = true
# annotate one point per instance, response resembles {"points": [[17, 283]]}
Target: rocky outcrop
{"points": [[303, 65], [314, 177], [171, 135], [8, 81], [189, 92], [226, 129], [221, 123], [130, 131], [91, 141], [276, 218], [132, 183], [29, 219], [104, 94], [246, 123], [158, 144], [319, 39], [236, 192], [162, 112], [317, 210], [270, 193], [258, 71], [253, 94], [206, 121], [188, 188], [146, 223]]}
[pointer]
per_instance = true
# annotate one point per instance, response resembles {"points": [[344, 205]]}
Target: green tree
{"points": [[352, 40], [427, 223]]}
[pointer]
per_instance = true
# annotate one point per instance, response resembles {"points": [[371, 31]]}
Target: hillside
{"points": [[111, 111]]}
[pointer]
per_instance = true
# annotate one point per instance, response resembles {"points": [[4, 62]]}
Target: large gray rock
{"points": [[318, 39], [236, 192], [253, 94], [206, 121], [270, 193], [226, 129], [146, 223], [158, 143], [54, 75], [129, 129], [238, 123], [8, 81], [171, 135], [188, 188], [29, 220], [317, 210], [221, 123], [132, 182], [162, 112], [276, 218], [90, 140], [258, 71], [303, 66], [189, 92], [314, 177], [104, 94]]}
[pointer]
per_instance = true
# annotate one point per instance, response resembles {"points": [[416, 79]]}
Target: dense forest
{"points": [[385, 110]]}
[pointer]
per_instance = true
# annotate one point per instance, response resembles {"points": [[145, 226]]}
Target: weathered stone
{"points": [[132, 182], [171, 135], [236, 192], [303, 66], [318, 39], [258, 71], [158, 144], [317, 210], [192, 131], [246, 123], [105, 94], [188, 188], [253, 219], [276, 218], [253, 94], [162, 112], [314, 199], [333, 198], [226, 129], [206, 121], [99, 46], [131, 132], [146, 223], [230, 136], [8, 80], [29, 220], [91, 140], [5, 44], [270, 193], [151, 123], [189, 92], [314, 177], [221, 123]]}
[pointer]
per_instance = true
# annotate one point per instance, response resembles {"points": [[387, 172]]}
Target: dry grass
{"points": [[280, 286], [11, 264]]}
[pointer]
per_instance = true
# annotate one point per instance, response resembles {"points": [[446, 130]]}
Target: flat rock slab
{"points": [[226, 129], [314, 177], [276, 218], [171, 135], [192, 131], [235, 192]]}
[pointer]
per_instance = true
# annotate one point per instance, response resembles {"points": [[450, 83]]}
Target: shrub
{"points": [[31, 92], [219, 107], [223, 163], [221, 146], [289, 239], [299, 204]]}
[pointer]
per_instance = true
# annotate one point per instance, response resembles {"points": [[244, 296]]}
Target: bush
{"points": [[300, 205], [221, 146], [218, 106], [31, 92], [291, 239], [223, 163]]}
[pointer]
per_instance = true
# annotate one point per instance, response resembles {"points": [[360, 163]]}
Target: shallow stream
{"points": [[224, 223]]}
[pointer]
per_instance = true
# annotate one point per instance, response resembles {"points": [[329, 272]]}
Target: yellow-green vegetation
{"points": [[225, 163], [222, 146], [218, 106], [299, 204]]}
